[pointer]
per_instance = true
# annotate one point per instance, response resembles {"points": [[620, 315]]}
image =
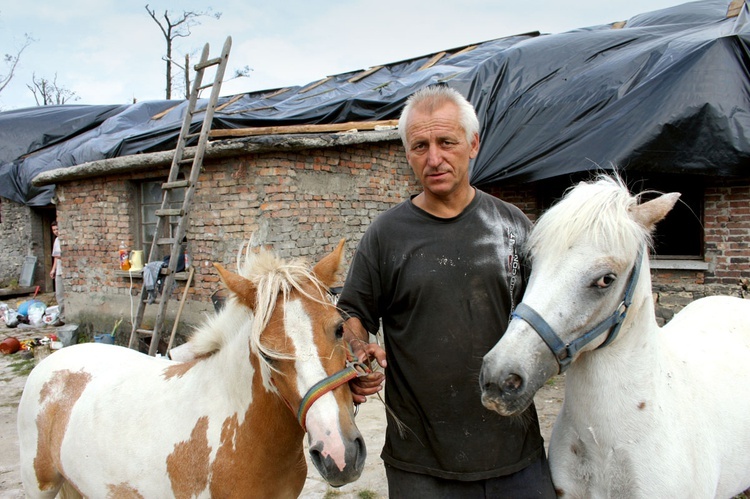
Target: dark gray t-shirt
{"points": [[442, 288]]}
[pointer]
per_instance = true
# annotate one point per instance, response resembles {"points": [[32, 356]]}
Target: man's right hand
{"points": [[372, 383]]}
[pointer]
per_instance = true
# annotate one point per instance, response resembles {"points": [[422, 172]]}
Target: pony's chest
{"points": [[582, 467]]}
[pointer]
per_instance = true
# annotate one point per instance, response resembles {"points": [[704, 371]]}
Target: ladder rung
{"points": [[162, 241], [170, 212], [191, 135], [188, 161], [203, 87], [175, 185], [144, 332], [208, 63]]}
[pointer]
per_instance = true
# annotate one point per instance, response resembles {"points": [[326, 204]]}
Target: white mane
{"points": [[598, 211]]}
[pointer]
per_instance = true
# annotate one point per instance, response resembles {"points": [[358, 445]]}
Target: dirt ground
{"points": [[370, 420]]}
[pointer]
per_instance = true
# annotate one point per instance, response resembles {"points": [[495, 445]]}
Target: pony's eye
{"points": [[605, 281], [340, 331], [266, 357]]}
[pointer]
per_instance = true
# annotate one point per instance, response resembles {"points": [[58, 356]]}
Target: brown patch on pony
{"points": [[122, 491], [559, 492], [178, 370], [263, 453], [56, 400], [642, 405], [188, 464]]}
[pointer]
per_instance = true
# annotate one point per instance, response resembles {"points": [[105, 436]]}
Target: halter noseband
{"points": [[353, 369], [329, 384], [563, 352]]}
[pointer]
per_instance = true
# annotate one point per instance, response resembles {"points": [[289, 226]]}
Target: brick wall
{"points": [[727, 232], [301, 203]]}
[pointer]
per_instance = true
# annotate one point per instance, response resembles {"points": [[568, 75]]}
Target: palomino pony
{"points": [[648, 412], [111, 422]]}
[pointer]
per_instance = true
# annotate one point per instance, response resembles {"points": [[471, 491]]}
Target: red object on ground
{"points": [[10, 345]]}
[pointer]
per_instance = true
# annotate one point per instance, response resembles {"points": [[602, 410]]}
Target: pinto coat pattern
{"points": [[107, 421]]}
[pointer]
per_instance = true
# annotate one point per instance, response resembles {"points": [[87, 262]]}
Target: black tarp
{"points": [[668, 93]]}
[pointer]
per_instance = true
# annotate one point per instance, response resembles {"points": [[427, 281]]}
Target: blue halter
{"points": [[563, 352]]}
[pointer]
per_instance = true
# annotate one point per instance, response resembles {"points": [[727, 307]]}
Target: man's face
{"points": [[437, 149]]}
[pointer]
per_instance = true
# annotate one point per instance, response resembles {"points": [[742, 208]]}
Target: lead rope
{"points": [[514, 265]]}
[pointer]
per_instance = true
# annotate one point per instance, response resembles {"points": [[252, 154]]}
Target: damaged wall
{"points": [[24, 233], [300, 203]]}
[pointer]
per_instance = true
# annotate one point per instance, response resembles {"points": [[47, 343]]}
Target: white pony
{"points": [[106, 421], [648, 412]]}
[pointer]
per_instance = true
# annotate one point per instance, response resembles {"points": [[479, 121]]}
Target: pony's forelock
{"points": [[272, 277], [597, 210]]}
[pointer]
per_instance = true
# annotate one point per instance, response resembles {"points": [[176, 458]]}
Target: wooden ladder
{"points": [[164, 214]]}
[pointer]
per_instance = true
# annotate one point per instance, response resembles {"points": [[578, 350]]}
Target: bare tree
{"points": [[11, 62], [173, 27], [47, 93]]}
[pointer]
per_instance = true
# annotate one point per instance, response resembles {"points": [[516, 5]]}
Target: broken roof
{"points": [[665, 91]]}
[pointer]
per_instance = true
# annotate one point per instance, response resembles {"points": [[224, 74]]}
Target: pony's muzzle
{"points": [[355, 455], [503, 392]]}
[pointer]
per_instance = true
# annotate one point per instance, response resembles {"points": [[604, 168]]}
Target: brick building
{"points": [[301, 199], [665, 101]]}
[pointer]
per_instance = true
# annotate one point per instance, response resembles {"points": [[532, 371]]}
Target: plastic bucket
{"points": [[104, 338]]}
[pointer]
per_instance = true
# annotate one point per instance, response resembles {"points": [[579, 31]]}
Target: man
{"points": [[442, 272], [56, 272]]}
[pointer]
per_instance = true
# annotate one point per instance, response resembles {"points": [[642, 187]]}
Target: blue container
{"points": [[104, 338]]}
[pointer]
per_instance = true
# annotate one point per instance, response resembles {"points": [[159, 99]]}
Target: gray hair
{"points": [[433, 97]]}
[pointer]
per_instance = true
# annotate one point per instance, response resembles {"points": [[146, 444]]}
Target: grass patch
{"points": [[330, 494], [367, 494], [21, 366]]}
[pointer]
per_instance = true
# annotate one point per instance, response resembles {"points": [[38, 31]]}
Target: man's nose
{"points": [[434, 157]]}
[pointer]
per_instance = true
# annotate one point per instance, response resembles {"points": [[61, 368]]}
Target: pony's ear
{"points": [[649, 213], [243, 288], [326, 269]]}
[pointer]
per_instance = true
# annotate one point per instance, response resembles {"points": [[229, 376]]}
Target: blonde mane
{"points": [[272, 277], [598, 211]]}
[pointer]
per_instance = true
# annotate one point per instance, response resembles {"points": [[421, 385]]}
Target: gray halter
{"points": [[563, 352]]}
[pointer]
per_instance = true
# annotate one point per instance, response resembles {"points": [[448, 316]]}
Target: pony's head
{"points": [[584, 253], [295, 340]]}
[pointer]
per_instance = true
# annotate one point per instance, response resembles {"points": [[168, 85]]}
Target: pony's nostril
{"points": [[361, 453], [512, 383], [315, 455]]}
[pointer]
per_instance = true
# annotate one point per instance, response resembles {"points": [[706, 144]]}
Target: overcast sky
{"points": [[110, 51]]}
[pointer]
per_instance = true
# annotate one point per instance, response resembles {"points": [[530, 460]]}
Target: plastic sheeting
{"points": [[667, 93]]}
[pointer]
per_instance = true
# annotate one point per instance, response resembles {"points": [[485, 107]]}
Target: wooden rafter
{"points": [[735, 6], [278, 130], [364, 74], [433, 60]]}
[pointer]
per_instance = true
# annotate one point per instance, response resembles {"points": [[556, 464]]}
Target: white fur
{"points": [[658, 413]]}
